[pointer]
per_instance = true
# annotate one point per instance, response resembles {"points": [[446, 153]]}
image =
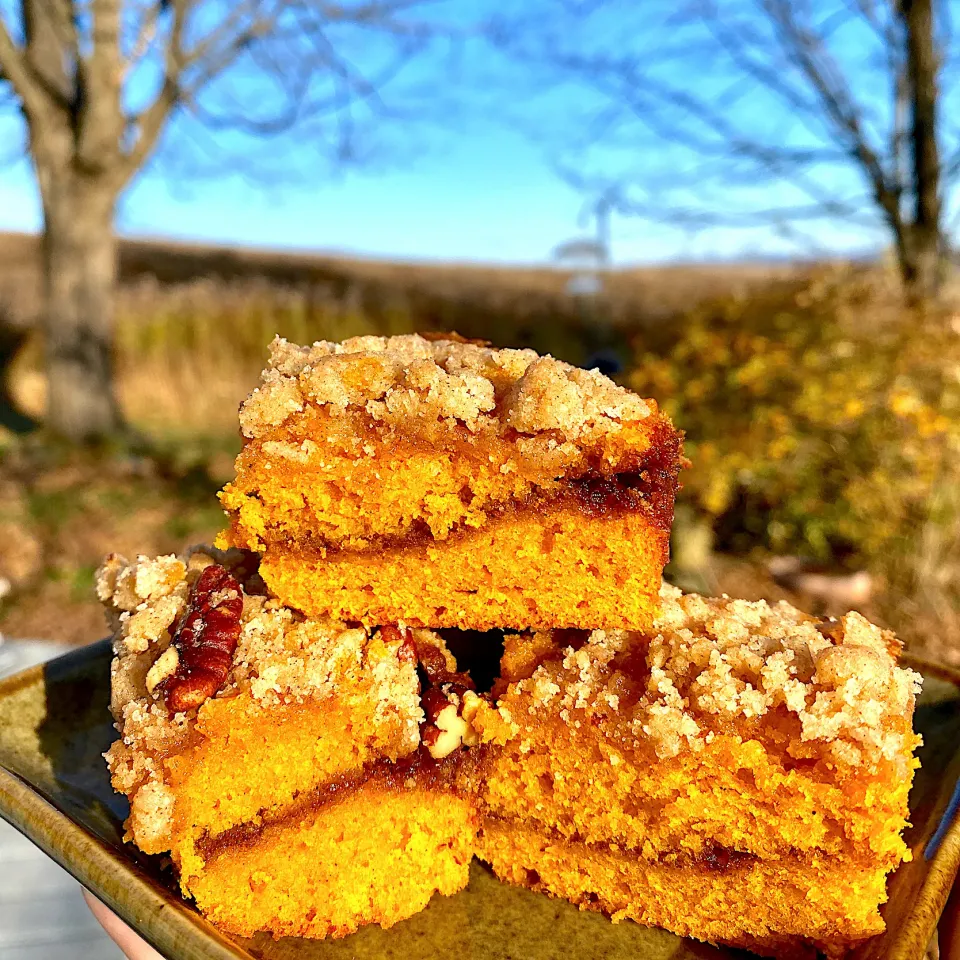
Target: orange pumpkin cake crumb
{"points": [[739, 774], [448, 484], [297, 771]]}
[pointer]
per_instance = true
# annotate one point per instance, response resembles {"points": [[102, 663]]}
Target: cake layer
{"points": [[732, 794], [344, 480], [438, 456], [751, 727], [375, 854], [246, 763], [336, 696], [555, 566], [236, 714], [787, 908], [623, 769]]}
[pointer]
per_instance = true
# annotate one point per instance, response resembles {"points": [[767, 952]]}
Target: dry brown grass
{"points": [[193, 322], [652, 292]]}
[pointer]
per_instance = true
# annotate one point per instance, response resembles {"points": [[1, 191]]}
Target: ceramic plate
{"points": [[54, 725]]}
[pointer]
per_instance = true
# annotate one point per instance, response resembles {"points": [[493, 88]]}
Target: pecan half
{"points": [[205, 639], [442, 692], [444, 728]]}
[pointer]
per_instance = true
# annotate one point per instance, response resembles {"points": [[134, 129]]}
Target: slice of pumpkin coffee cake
{"points": [[739, 774], [299, 772], [448, 484]]}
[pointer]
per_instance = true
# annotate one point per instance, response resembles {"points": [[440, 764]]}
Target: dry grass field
{"points": [[193, 322], [822, 421]]}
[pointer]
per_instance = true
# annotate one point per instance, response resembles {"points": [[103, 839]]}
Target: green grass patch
{"points": [[81, 581], [53, 508]]}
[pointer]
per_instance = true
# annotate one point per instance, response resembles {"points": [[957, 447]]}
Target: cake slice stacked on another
{"points": [[287, 765], [448, 484]]}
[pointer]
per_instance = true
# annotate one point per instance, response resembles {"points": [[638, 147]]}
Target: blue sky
{"points": [[469, 183], [489, 195]]}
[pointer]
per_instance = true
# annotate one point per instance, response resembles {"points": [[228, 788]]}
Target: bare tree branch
{"points": [[805, 50], [149, 124], [143, 39], [17, 73], [765, 111], [49, 45]]}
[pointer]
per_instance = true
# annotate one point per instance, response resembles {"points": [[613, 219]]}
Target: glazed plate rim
{"points": [[175, 928]]}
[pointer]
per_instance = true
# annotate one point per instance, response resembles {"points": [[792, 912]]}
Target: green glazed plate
{"points": [[54, 725]]}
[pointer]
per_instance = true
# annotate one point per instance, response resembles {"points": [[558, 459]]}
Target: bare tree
{"points": [[97, 83], [746, 113]]}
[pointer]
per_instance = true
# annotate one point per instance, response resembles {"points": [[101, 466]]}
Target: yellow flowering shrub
{"points": [[819, 419]]}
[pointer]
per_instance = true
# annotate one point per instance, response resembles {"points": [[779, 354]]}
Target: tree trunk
{"points": [[920, 257], [79, 274], [923, 250]]}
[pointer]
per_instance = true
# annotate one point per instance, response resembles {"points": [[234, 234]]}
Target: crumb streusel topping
{"points": [[711, 664], [406, 378], [280, 658]]}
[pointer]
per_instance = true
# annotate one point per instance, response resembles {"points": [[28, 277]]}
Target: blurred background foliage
{"points": [[815, 424], [822, 417], [822, 422]]}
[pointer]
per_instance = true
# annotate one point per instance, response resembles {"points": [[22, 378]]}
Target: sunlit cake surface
{"points": [[448, 484], [739, 775], [290, 778]]}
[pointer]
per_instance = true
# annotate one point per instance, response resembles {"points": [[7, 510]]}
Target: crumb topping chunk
{"points": [[404, 378]]}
